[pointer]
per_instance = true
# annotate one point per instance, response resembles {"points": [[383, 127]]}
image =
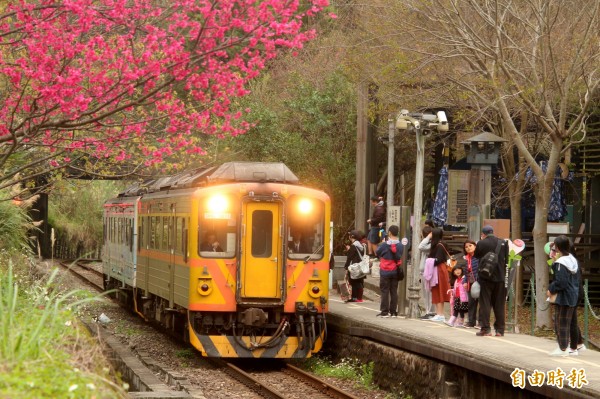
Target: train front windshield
{"points": [[306, 227]]}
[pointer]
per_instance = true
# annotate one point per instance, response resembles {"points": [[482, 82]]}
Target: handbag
{"points": [[475, 290], [399, 268], [451, 261], [360, 269]]}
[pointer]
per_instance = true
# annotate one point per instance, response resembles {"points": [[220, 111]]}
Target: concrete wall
{"points": [[409, 375]]}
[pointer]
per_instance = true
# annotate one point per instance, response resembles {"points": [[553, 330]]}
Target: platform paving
{"points": [[519, 355]]}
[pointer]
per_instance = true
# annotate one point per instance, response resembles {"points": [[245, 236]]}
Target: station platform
{"points": [[517, 359]]}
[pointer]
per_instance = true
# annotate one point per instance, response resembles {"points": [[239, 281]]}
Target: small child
{"points": [[460, 302]]}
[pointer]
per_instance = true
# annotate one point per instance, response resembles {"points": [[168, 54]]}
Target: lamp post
{"points": [[422, 125]]}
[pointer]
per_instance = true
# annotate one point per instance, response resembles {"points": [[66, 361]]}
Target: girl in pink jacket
{"points": [[460, 301]]}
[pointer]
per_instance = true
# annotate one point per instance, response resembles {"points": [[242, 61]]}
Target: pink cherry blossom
{"points": [[115, 78]]}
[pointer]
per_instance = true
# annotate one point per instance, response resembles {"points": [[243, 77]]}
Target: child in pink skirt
{"points": [[460, 297]]}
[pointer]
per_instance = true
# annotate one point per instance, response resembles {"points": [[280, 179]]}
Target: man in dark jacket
{"points": [[493, 291], [390, 255]]}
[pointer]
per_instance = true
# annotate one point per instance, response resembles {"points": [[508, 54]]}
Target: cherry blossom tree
{"points": [[85, 82]]}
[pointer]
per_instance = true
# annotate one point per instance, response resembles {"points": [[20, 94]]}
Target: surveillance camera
{"points": [[443, 125]]}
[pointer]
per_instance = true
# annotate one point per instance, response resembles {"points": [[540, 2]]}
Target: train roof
{"points": [[229, 172]]}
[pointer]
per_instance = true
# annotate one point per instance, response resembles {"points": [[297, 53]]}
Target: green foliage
{"points": [[14, 223], [41, 342], [309, 126], [75, 211], [185, 353], [350, 369]]}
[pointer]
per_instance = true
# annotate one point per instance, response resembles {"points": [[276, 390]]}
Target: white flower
{"points": [[73, 387], [68, 323], [126, 386], [90, 386], [31, 384]]}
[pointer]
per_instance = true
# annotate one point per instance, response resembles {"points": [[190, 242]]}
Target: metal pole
{"points": [[585, 312], [403, 236], [390, 173], [413, 310]]}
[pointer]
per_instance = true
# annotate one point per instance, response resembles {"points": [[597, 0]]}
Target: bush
{"points": [[14, 223], [44, 352]]}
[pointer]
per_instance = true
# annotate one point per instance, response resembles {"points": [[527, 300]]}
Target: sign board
{"points": [[458, 197], [393, 216], [557, 229]]}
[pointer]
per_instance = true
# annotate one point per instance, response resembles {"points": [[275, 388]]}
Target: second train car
{"points": [[233, 258]]}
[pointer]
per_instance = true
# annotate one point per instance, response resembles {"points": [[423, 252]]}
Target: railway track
{"points": [[83, 270], [271, 380], [283, 382]]}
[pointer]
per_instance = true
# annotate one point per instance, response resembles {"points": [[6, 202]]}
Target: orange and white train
{"points": [[233, 258]]}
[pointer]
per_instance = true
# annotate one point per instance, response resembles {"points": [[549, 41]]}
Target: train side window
{"points": [[165, 234], [218, 223], [305, 227], [152, 232], [179, 224]]}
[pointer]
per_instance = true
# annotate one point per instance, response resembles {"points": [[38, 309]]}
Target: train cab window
{"points": [[306, 227], [262, 234], [217, 235]]}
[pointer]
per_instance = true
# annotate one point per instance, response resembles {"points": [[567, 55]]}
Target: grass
{"points": [[350, 369], [44, 351]]}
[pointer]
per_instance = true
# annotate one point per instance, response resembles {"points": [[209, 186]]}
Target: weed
{"points": [[44, 352], [185, 353]]}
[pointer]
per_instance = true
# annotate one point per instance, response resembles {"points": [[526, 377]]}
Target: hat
{"points": [[487, 229]]}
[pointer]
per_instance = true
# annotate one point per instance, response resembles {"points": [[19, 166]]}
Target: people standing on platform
{"points": [[472, 268], [390, 258], [493, 292], [376, 223], [424, 247], [439, 292], [355, 253], [565, 285], [460, 299]]}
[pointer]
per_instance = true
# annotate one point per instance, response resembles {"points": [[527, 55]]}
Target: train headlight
{"points": [[217, 204], [305, 206], [204, 287]]}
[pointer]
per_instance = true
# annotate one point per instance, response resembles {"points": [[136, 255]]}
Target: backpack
{"points": [[489, 263]]}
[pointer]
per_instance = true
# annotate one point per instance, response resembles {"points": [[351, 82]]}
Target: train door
{"points": [[170, 249], [262, 258]]}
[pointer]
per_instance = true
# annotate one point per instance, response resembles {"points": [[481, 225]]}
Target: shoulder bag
{"points": [[399, 268], [450, 262], [361, 269]]}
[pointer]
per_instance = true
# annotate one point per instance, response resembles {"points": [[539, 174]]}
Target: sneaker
{"points": [[573, 352], [482, 333], [468, 325], [438, 318], [559, 352], [394, 315], [448, 324], [499, 334], [426, 317], [581, 348], [383, 314], [351, 300], [359, 301]]}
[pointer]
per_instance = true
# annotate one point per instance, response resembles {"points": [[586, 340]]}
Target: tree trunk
{"points": [[542, 310]]}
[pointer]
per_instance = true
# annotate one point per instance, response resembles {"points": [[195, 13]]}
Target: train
{"points": [[234, 258]]}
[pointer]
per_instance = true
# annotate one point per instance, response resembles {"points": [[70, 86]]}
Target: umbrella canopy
{"points": [[440, 206]]}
